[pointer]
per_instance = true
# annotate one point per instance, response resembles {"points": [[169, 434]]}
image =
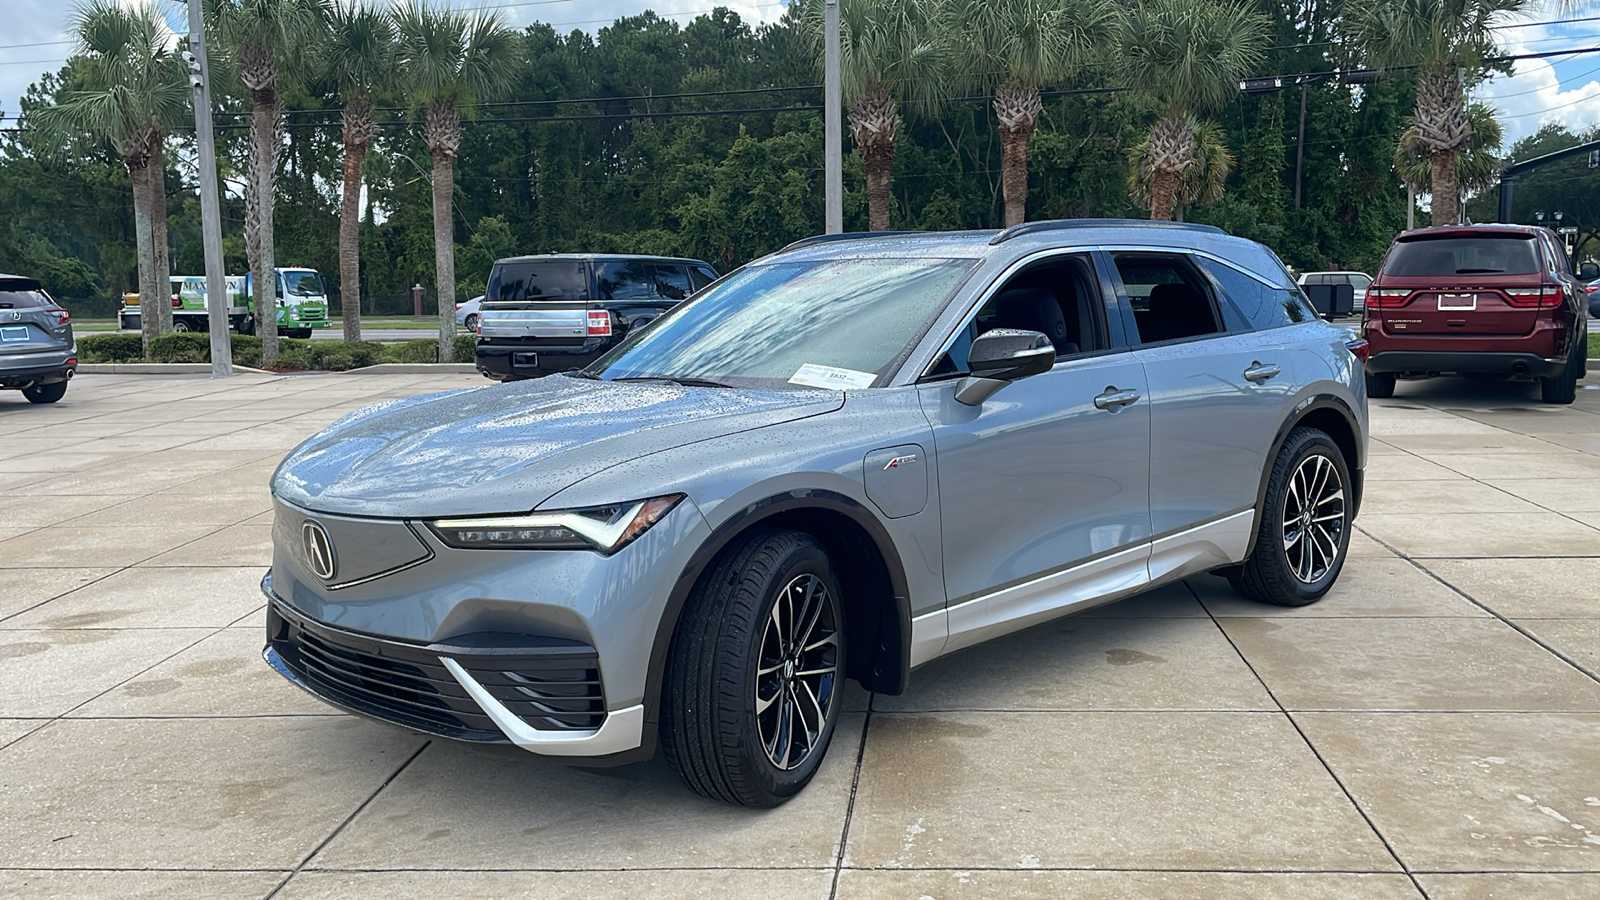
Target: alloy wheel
{"points": [[1313, 518], [797, 673]]}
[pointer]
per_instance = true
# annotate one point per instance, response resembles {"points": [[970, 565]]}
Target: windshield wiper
{"points": [[686, 382], [1480, 271], [581, 373]]}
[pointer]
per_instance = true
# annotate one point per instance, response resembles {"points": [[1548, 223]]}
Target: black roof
{"points": [[600, 256]]}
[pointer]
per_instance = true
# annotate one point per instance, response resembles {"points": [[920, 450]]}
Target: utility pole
{"points": [[832, 136], [1300, 144], [217, 299]]}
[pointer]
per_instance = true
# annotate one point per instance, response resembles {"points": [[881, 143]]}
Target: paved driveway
{"points": [[1432, 726]]}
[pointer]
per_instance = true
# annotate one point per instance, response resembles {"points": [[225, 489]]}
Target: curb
{"points": [[412, 369], [157, 369]]}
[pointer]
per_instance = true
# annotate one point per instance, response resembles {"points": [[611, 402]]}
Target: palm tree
{"points": [[1202, 182], [264, 38], [1188, 56], [1013, 47], [360, 54], [133, 88], [1443, 38], [451, 62], [1477, 165], [888, 51]]}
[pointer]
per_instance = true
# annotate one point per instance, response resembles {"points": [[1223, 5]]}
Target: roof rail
{"points": [[845, 236], [1064, 224]]}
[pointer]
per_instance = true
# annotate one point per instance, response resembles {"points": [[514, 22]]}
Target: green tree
{"points": [[1203, 179], [1013, 48], [888, 51], [359, 50], [132, 88], [1477, 163], [451, 63], [1188, 56], [267, 41], [1444, 38]]}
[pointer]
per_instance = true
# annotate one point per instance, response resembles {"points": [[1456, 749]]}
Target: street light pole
{"points": [[217, 299], [832, 136]]}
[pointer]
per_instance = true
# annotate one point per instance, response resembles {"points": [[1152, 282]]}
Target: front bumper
{"points": [[1421, 362], [541, 694]]}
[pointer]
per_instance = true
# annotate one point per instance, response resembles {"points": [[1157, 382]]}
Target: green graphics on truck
{"points": [[302, 304]]}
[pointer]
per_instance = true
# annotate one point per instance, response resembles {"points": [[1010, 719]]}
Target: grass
{"points": [[1594, 346]]}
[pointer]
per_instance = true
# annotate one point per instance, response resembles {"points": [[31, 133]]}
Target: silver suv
{"points": [[841, 461], [38, 355]]}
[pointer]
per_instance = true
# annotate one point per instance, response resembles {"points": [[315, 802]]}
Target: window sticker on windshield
{"points": [[813, 375]]}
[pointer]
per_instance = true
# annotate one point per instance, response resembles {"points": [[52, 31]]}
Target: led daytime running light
{"points": [[605, 528]]}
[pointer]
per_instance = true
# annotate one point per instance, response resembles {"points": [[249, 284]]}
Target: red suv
{"points": [[1480, 301]]}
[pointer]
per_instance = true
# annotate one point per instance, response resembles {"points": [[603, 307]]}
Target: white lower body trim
{"points": [[622, 730]]}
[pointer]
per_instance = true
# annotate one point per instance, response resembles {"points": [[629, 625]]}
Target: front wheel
{"points": [[45, 393], [753, 680], [301, 333], [179, 326], [472, 323], [1304, 531], [1380, 386]]}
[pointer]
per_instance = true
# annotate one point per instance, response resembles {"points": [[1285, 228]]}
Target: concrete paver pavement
{"points": [[1430, 729]]}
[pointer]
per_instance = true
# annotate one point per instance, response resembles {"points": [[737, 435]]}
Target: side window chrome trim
{"points": [[993, 288]]}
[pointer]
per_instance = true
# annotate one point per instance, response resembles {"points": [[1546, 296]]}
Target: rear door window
{"points": [[1171, 301], [1447, 257], [554, 279], [702, 276]]}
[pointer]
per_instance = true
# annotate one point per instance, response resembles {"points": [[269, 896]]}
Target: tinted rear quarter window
{"points": [[561, 279], [625, 279], [1261, 305], [1486, 254]]}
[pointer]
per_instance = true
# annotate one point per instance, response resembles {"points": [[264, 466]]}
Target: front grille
{"points": [[550, 683]]}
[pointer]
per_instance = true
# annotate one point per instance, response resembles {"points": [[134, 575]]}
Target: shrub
{"points": [[246, 350], [110, 348], [190, 347], [422, 350], [465, 347]]}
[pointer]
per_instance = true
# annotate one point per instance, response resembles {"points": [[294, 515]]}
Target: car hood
{"points": [[508, 448]]}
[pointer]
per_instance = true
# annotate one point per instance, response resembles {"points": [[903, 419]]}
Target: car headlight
{"points": [[603, 528]]}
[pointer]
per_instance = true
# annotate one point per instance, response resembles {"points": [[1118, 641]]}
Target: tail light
{"points": [[459, 305], [599, 323], [1544, 297], [62, 316], [1359, 347], [1387, 298]]}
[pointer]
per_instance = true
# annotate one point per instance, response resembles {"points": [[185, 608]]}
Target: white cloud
{"points": [[1564, 90]]}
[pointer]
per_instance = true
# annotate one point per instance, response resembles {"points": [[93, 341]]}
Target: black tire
{"points": [[1563, 389], [711, 730], [472, 323], [45, 393], [247, 325], [300, 333], [179, 326], [1285, 567], [1380, 386]]}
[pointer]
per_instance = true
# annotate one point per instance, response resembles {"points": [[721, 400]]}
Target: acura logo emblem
{"points": [[319, 550]]}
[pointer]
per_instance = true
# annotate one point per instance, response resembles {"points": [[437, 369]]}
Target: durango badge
{"points": [[319, 550]]}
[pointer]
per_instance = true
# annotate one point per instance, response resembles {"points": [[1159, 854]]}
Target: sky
{"points": [[1561, 89]]}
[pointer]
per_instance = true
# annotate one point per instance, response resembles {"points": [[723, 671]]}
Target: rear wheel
{"points": [[1304, 530], [1564, 387], [751, 694], [179, 326], [472, 323], [1380, 386], [45, 393]]}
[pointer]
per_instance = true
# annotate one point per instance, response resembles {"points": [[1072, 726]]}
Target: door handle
{"points": [[1114, 399], [1259, 372]]}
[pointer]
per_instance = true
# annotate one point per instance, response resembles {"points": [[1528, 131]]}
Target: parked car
{"points": [[1358, 282], [842, 461], [1496, 301], [38, 354], [467, 314], [552, 313], [1594, 298]]}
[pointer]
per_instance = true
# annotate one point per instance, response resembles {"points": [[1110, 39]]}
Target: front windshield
{"points": [[830, 323], [302, 284]]}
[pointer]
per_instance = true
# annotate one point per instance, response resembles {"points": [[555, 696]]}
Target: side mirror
{"points": [[1332, 301], [1588, 271], [1000, 356]]}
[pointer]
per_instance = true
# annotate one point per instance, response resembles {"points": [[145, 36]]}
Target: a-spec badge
{"points": [[319, 550], [899, 461]]}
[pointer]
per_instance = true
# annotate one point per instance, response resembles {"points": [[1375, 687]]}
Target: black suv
{"points": [[37, 352], [555, 312]]}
